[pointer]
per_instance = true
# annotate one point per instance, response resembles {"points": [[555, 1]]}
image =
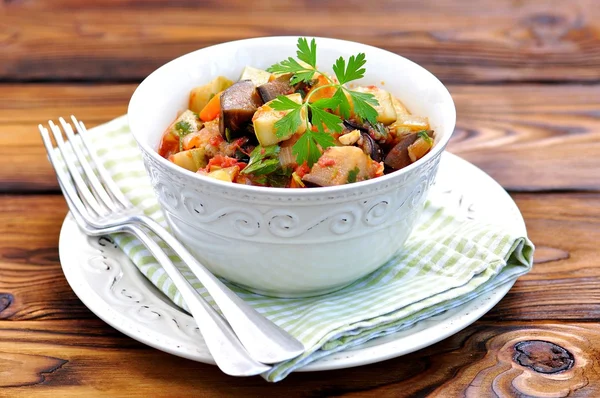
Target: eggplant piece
{"points": [[370, 147], [398, 157], [377, 131], [353, 125], [271, 90], [238, 104]]}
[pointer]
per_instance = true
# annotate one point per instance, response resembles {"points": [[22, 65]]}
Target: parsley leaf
{"points": [[292, 120], [352, 174], [343, 104], [326, 103], [306, 149], [289, 122], [321, 117], [306, 53], [363, 105], [353, 71], [423, 134], [323, 139], [183, 127], [263, 160], [283, 103], [290, 65]]}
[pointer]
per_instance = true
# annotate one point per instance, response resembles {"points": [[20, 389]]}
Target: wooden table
{"points": [[525, 76]]}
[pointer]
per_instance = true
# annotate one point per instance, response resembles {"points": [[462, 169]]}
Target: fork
{"points": [[226, 349], [101, 204]]}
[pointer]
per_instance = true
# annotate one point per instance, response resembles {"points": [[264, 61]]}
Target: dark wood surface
{"points": [[525, 76]]}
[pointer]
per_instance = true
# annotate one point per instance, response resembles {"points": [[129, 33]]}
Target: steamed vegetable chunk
{"points": [[276, 87], [257, 76], [386, 113], [265, 118], [172, 140], [200, 96], [238, 104], [343, 165], [296, 125], [192, 159]]}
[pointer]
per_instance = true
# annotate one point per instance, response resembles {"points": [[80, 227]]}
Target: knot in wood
{"points": [[547, 19], [543, 356], [6, 300]]}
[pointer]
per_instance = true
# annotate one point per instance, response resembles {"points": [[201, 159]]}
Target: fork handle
{"points": [[223, 344], [265, 341]]}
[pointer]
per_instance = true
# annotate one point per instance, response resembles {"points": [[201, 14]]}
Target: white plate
{"points": [[111, 287]]}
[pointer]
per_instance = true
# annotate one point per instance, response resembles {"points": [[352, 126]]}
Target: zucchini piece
{"points": [[386, 113], [399, 107], [227, 174], [199, 96], [406, 124], [192, 159], [258, 76], [185, 124], [265, 118]]}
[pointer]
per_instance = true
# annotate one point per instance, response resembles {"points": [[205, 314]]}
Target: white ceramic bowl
{"points": [[289, 242]]}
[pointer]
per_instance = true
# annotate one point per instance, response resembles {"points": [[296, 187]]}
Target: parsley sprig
{"points": [[306, 148], [263, 160]]}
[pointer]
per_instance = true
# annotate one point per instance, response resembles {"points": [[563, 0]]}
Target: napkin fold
{"points": [[447, 261]]}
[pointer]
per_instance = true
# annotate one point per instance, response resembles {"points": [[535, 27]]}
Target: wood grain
{"points": [[529, 138], [571, 268], [124, 40], [22, 154], [479, 361], [18, 370]]}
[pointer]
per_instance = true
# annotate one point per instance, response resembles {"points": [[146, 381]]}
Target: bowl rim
{"points": [[313, 191]]}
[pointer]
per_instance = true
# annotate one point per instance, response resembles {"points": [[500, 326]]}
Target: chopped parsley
{"points": [[425, 136], [182, 128], [353, 174], [263, 160]]}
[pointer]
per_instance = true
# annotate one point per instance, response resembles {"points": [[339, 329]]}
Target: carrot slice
{"points": [[212, 109]]}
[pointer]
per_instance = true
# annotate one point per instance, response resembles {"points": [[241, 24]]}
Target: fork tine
{"points": [[64, 180], [112, 187], [81, 186], [96, 186]]}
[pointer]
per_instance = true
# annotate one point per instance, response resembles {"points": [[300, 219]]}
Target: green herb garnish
{"points": [[263, 160], [352, 174], [182, 128], [306, 148], [423, 134]]}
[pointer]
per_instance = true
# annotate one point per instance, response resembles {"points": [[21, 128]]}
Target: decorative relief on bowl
{"points": [[225, 212]]}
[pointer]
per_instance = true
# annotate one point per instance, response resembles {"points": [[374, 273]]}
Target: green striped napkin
{"points": [[447, 261]]}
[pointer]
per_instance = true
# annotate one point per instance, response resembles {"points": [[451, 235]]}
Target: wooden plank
{"points": [[33, 286], [22, 107], [528, 138], [495, 41], [502, 358], [531, 137]]}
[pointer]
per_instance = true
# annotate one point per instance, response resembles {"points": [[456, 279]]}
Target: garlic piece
{"points": [[350, 138]]}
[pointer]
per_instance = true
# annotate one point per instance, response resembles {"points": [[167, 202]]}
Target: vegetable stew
{"points": [[296, 126]]}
